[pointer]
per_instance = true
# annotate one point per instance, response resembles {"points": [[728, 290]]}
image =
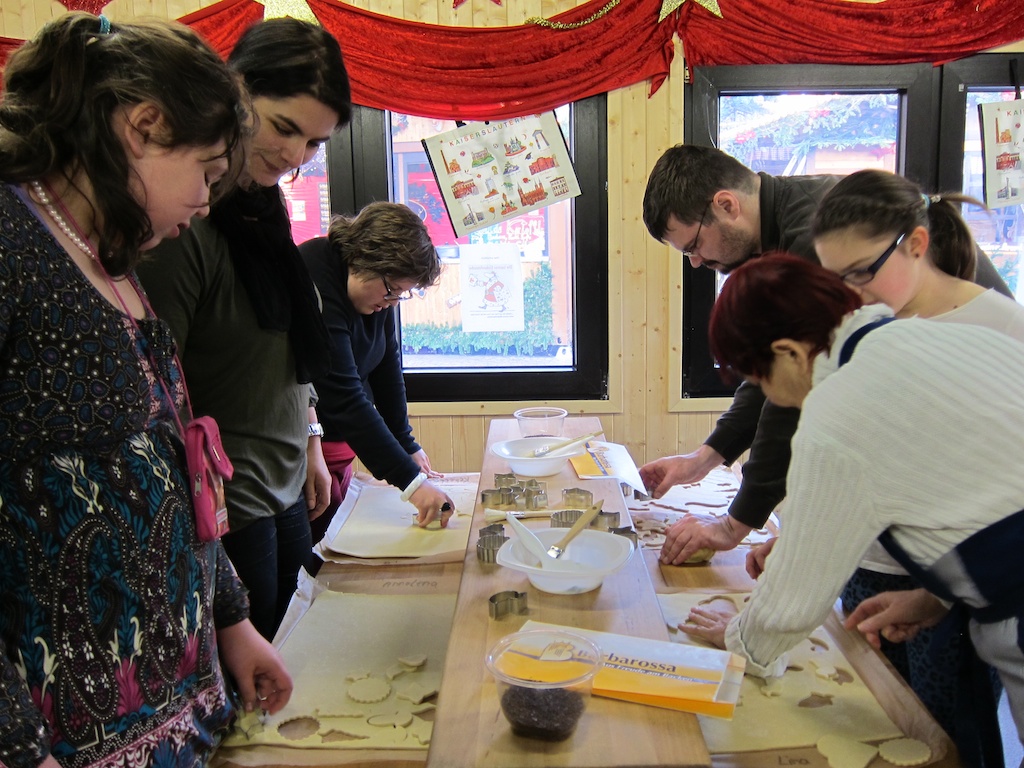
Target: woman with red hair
{"points": [[908, 434]]}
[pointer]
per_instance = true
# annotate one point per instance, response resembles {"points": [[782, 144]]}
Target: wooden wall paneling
{"points": [[618, 338], [626, 262], [666, 129], [423, 11]]}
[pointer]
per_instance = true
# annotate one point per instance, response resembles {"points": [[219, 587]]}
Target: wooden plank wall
{"points": [[643, 273]]}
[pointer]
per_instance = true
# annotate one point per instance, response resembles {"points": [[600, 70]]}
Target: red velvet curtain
{"points": [[222, 24], [480, 73], [490, 73], [841, 32]]}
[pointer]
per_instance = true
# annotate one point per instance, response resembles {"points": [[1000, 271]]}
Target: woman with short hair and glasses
{"points": [[364, 268], [910, 434]]}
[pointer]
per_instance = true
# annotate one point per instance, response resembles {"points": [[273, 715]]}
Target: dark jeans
{"points": [[941, 667], [267, 555]]}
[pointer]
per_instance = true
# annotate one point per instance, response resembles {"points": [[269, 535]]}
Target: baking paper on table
{"points": [[608, 460], [820, 693], [709, 499], [336, 644], [373, 522]]}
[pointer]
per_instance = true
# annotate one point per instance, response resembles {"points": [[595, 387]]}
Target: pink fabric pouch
{"points": [[208, 468]]}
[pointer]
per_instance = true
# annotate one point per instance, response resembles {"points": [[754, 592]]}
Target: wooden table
{"points": [[469, 729], [471, 732]]}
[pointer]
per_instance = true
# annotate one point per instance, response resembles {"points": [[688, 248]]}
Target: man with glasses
{"points": [[719, 214]]}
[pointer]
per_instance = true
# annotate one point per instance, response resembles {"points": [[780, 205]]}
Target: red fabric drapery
{"points": [[222, 24], [481, 73], [841, 32], [498, 72]]}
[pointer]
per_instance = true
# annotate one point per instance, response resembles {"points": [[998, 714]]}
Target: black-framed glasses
{"points": [[391, 295], [865, 275], [690, 251]]}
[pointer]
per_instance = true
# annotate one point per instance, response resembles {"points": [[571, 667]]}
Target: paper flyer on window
{"points": [[492, 293], [1002, 140], [493, 171]]}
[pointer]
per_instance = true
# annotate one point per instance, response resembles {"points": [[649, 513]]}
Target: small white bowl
{"points": [[598, 553], [519, 455], [541, 421]]}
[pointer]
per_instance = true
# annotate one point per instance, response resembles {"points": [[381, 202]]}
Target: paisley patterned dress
{"points": [[108, 602]]}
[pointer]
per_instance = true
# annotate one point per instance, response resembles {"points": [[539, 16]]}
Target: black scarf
{"points": [[255, 223]]}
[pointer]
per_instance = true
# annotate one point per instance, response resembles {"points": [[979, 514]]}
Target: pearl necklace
{"points": [[51, 210]]}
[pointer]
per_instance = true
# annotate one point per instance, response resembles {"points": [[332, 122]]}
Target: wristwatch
{"points": [[316, 429]]}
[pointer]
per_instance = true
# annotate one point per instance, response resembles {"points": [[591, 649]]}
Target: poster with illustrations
{"points": [[1002, 141], [492, 287], [493, 171]]}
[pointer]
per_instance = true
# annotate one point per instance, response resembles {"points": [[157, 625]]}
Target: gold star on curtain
{"points": [[297, 9], [667, 6]]}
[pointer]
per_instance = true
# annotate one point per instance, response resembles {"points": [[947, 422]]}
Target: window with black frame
{"points": [[789, 120], [966, 84], [561, 350]]}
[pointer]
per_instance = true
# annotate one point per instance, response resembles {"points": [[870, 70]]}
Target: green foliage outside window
{"points": [[536, 339]]}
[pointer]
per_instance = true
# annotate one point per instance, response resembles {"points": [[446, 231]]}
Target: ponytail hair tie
{"points": [[104, 25], [927, 200]]}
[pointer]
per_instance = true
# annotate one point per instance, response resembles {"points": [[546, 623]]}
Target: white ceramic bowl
{"points": [[519, 455], [599, 553]]}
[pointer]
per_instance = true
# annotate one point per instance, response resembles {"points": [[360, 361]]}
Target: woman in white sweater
{"points": [[917, 435], [895, 245]]}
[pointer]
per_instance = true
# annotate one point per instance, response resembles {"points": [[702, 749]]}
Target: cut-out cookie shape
{"points": [[360, 675], [421, 730], [369, 690], [824, 671], [391, 720], [845, 753], [394, 671], [843, 676], [772, 687], [817, 644], [652, 540], [905, 752], [299, 728], [413, 660], [816, 700], [416, 693]]}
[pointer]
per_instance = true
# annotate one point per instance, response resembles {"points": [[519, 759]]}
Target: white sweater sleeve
{"points": [[827, 527]]}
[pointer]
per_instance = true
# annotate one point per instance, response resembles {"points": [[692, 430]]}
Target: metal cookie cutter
{"points": [[487, 546], [503, 603], [564, 518], [577, 498], [504, 479], [606, 521], [629, 533]]}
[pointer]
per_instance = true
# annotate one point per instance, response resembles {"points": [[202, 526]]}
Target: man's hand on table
{"points": [[661, 474], [692, 533]]}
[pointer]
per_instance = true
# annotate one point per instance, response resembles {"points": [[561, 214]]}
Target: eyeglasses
{"points": [[865, 275], [690, 251], [391, 295]]}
